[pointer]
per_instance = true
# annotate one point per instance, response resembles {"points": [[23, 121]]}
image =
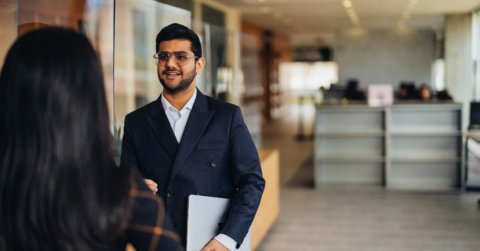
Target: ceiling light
{"points": [[347, 4]]}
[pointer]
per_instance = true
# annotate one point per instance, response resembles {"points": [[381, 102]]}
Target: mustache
{"points": [[176, 71]]}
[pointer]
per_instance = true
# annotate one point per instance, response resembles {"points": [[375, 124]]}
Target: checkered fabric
{"points": [[146, 227]]}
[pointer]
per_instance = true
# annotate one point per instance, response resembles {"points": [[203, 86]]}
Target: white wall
{"points": [[385, 56], [458, 60]]}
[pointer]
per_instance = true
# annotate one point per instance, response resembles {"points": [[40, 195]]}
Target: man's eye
{"points": [[181, 57], [163, 57]]}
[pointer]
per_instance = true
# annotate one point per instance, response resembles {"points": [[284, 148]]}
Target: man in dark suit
{"points": [[186, 143]]}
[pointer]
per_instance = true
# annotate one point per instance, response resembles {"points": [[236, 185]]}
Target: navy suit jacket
{"points": [[216, 157]]}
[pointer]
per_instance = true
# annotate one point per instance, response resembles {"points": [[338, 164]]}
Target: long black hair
{"points": [[59, 186]]}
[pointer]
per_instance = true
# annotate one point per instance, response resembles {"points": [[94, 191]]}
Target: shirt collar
{"points": [[188, 105]]}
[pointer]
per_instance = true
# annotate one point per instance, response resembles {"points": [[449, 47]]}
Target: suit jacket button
{"points": [[169, 194], [149, 169], [213, 164], [199, 193]]}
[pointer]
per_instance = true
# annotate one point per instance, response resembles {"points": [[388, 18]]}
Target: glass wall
{"points": [[123, 33], [93, 18]]}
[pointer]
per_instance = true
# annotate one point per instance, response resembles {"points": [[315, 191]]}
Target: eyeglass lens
{"points": [[180, 58]]}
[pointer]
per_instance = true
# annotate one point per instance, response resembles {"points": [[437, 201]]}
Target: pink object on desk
{"points": [[380, 94]]}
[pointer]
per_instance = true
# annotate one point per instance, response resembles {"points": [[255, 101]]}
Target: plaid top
{"points": [[147, 227]]}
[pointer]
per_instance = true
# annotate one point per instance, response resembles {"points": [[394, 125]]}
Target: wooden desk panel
{"points": [[270, 205]]}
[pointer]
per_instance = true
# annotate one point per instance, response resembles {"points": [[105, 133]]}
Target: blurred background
{"points": [[364, 112]]}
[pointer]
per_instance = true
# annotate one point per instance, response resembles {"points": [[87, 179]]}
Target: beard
{"points": [[182, 86]]}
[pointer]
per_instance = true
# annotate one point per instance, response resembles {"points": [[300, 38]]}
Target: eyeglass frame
{"points": [[157, 59]]}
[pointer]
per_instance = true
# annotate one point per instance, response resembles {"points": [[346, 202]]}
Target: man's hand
{"points": [[152, 185], [214, 245]]}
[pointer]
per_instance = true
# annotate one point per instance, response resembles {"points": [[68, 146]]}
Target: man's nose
{"points": [[171, 62]]}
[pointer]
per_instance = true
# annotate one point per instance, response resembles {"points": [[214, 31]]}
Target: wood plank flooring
{"points": [[356, 219], [361, 218]]}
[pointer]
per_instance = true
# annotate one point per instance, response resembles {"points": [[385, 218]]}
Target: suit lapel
{"points": [[158, 122], [198, 120]]}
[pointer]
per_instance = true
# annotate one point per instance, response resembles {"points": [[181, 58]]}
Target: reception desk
{"points": [[270, 205], [411, 146]]}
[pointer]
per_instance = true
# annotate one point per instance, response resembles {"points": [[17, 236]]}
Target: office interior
{"points": [[342, 174]]}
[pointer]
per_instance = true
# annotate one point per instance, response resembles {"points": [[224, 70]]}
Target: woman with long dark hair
{"points": [[60, 188]]}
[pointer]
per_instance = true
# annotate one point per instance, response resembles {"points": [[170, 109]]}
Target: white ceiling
{"points": [[327, 16]]}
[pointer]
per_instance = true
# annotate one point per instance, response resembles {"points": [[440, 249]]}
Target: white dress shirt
{"points": [[178, 121]]}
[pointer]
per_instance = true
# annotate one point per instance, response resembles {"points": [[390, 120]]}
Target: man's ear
{"points": [[199, 65]]}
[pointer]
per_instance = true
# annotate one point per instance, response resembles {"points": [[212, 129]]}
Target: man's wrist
{"points": [[228, 242]]}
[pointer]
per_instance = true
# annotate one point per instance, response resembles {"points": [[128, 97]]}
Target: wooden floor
{"points": [[362, 218], [374, 220]]}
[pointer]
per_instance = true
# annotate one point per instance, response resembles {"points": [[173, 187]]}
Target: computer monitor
{"points": [[474, 115]]}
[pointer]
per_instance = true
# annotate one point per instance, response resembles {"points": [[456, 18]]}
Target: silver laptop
{"points": [[206, 216]]}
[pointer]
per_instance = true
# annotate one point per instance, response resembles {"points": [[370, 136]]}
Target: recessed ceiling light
{"points": [[347, 4]]}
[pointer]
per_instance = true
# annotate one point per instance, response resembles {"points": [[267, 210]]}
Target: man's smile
{"points": [[172, 74]]}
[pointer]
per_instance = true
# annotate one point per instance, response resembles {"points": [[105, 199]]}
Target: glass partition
{"points": [[136, 81], [94, 18], [8, 26], [123, 33], [136, 26]]}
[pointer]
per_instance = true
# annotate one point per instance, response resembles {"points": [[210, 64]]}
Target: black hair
{"points": [[178, 31], [351, 91], [60, 188], [411, 90], [352, 84], [443, 95]]}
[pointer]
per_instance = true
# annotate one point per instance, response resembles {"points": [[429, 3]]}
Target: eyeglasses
{"points": [[180, 58]]}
